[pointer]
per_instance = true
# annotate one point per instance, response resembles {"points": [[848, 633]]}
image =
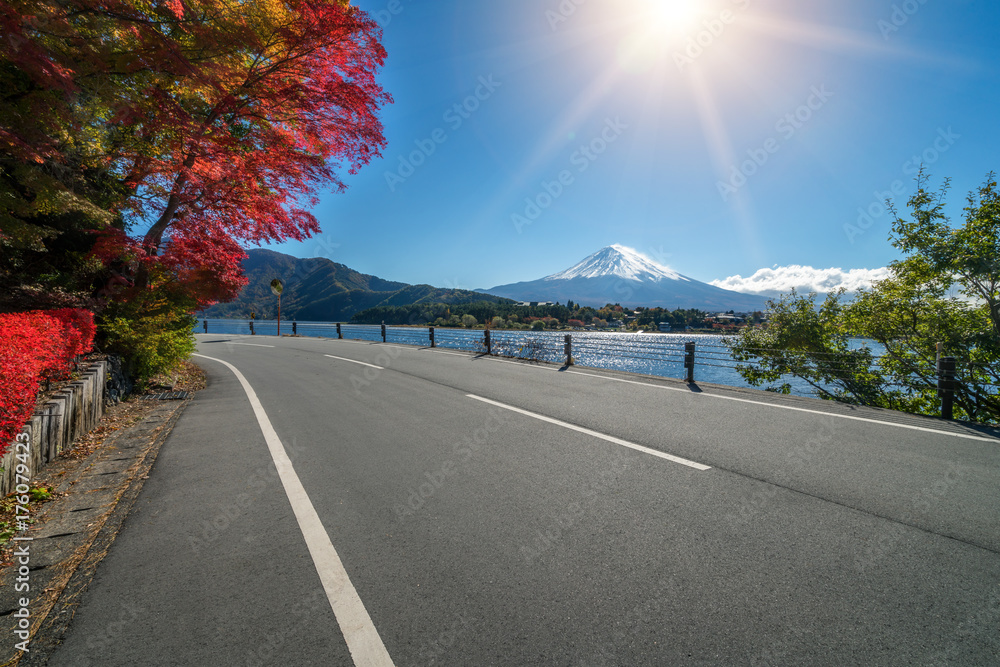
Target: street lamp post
{"points": [[278, 287]]}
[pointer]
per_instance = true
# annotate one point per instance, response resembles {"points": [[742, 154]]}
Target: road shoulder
{"points": [[72, 533]]}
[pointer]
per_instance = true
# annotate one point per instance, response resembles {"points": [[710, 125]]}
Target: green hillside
{"points": [[321, 290]]}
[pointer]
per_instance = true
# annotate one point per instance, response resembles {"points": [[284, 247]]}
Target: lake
{"points": [[660, 354]]}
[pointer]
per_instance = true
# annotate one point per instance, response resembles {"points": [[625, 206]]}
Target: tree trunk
{"points": [[151, 241]]}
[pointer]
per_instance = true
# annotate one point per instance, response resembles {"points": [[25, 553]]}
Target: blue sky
{"points": [[717, 137]]}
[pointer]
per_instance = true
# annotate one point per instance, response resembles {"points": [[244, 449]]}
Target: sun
{"points": [[669, 19], [655, 29]]}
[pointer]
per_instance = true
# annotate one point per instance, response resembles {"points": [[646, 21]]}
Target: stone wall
{"points": [[71, 412], [118, 383]]}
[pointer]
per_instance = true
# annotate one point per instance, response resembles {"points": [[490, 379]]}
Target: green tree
{"points": [[468, 321], [152, 329], [945, 289]]}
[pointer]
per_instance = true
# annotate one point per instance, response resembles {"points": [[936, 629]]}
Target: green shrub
{"points": [[152, 330]]}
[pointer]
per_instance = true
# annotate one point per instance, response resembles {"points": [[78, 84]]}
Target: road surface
{"points": [[330, 502]]}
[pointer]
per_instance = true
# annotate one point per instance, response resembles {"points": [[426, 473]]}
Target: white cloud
{"points": [[805, 279]]}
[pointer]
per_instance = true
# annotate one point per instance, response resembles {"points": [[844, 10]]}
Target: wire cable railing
{"points": [[709, 360]]}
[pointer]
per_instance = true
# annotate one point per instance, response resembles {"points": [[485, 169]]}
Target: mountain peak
{"points": [[619, 274], [622, 262]]}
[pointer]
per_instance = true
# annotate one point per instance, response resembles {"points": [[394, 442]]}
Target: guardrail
{"points": [[584, 348], [548, 346]]}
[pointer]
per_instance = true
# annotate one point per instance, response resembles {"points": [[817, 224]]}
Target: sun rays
{"points": [[682, 64]]}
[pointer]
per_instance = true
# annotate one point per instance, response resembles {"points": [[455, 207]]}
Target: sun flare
{"points": [[670, 17], [658, 28]]}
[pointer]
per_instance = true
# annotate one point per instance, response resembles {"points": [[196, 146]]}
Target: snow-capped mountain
{"points": [[617, 260], [618, 274]]}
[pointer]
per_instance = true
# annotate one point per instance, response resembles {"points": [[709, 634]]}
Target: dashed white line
{"points": [[362, 363], [596, 434], [363, 640], [868, 420]]}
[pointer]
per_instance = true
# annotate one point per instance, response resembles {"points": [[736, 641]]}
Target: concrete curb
{"points": [[74, 532]]}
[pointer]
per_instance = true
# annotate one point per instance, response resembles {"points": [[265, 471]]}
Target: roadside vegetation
{"points": [[144, 145], [945, 290]]}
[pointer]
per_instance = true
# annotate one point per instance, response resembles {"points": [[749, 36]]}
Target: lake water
{"points": [[657, 354]]}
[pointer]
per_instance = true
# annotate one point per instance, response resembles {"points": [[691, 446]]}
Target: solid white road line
{"points": [[602, 436], [355, 362], [794, 409], [398, 347], [362, 638], [230, 342], [923, 429]]}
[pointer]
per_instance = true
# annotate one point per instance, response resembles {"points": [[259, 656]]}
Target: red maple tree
{"points": [[223, 121]]}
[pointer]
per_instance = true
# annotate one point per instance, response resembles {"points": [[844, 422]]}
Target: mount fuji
{"points": [[617, 274]]}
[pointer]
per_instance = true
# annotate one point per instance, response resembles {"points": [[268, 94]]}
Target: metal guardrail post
{"points": [[340, 334], [489, 343], [568, 349], [383, 332], [295, 328], [252, 332], [433, 344], [204, 323], [946, 386], [689, 361]]}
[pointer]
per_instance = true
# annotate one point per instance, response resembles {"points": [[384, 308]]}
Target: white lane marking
{"points": [[381, 345], [519, 363], [354, 362], [231, 342], [602, 436], [793, 408], [869, 420], [362, 638]]}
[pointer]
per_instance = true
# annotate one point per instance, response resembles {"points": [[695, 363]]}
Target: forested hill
{"points": [[321, 290]]}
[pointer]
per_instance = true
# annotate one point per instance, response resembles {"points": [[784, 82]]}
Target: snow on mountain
{"points": [[621, 261], [618, 274]]}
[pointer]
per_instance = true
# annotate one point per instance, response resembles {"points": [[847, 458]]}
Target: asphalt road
{"points": [[490, 512]]}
